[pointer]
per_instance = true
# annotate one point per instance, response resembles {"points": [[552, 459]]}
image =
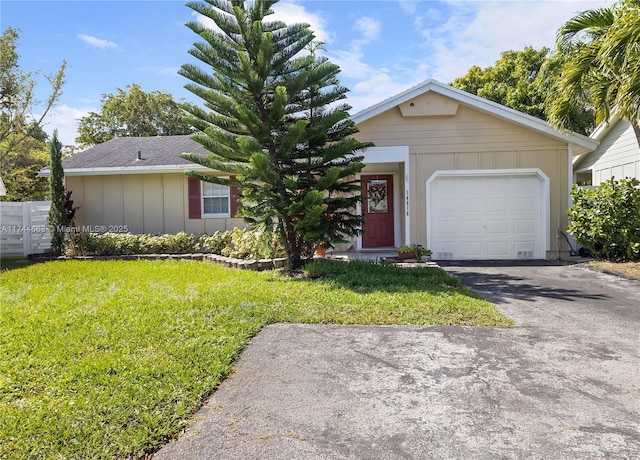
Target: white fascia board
{"points": [[121, 170], [391, 154], [603, 128], [479, 103]]}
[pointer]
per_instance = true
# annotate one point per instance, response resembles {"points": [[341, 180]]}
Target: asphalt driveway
{"points": [[563, 383]]}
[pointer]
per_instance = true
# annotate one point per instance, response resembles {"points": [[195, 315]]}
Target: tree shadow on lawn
{"points": [[364, 277], [503, 287], [12, 263]]}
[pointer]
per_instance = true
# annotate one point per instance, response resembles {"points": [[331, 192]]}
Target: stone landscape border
{"points": [[243, 264]]}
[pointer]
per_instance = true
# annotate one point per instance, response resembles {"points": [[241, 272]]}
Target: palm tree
{"points": [[599, 52]]}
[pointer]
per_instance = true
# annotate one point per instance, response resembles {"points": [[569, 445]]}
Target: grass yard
{"points": [[110, 359]]}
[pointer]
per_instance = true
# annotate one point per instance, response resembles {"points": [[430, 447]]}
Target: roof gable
{"points": [[616, 136], [581, 143]]}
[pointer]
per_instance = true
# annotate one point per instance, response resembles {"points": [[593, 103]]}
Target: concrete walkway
{"points": [[563, 383]]}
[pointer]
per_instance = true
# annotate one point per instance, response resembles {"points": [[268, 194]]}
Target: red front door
{"points": [[377, 209]]}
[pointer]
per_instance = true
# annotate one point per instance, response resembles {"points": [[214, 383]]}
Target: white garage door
{"points": [[492, 214]]}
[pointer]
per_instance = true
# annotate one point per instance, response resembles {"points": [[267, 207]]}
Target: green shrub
{"points": [[253, 244], [238, 243], [107, 244], [606, 219], [215, 242]]}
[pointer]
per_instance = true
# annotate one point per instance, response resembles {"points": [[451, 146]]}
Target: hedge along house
{"points": [[463, 176]]}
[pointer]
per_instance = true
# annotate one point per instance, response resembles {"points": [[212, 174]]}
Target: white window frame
{"points": [[203, 197]]}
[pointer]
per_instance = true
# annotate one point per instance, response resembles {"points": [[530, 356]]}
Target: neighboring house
{"points": [[618, 154], [463, 176], [3, 190]]}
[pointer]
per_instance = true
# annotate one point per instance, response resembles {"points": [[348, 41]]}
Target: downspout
{"points": [[569, 186]]}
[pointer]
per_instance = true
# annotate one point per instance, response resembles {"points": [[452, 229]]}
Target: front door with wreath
{"points": [[377, 210]]}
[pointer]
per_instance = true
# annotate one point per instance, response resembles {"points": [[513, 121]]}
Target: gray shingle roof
{"points": [[122, 152]]}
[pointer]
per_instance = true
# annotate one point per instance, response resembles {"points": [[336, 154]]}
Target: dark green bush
{"points": [[606, 219], [107, 244], [239, 243]]}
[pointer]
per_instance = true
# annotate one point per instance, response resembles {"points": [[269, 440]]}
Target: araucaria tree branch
{"points": [[274, 125]]}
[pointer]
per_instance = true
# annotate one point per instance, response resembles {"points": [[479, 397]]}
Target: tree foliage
{"points": [[606, 220], [511, 81], [17, 96], [20, 166], [600, 63], [132, 113], [522, 80], [272, 122]]}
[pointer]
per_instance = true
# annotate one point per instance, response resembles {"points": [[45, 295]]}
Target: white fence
{"points": [[23, 228]]}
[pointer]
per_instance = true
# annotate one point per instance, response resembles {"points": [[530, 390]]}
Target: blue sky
{"points": [[383, 47]]}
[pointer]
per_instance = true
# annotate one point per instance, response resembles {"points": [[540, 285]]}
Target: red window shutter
{"points": [[193, 185], [234, 202]]}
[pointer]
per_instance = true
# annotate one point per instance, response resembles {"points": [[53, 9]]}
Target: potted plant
{"points": [[415, 251], [422, 252], [320, 250]]}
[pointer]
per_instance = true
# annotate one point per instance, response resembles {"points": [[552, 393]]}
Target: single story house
{"points": [[456, 173], [617, 155]]}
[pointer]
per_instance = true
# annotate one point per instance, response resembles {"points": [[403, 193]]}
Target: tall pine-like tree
{"points": [[273, 123], [57, 219]]}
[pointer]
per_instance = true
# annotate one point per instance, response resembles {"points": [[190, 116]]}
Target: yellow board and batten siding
{"points": [[139, 203], [444, 135]]}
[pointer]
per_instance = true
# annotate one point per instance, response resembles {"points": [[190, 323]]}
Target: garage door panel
{"points": [[445, 206], [521, 226], [486, 216], [497, 204], [471, 227], [524, 204], [469, 205], [473, 248], [498, 226], [497, 250], [446, 227]]}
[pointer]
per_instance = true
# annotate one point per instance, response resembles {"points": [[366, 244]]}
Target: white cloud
{"points": [[408, 6], [369, 27], [379, 86], [456, 36], [350, 63], [65, 120], [288, 12], [97, 42], [475, 33]]}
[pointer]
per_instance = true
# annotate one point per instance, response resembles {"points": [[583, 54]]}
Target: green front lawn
{"points": [[110, 359]]}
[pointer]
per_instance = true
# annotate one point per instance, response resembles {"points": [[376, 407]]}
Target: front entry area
{"points": [[377, 210]]}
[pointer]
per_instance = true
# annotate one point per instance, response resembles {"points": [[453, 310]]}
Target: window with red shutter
{"points": [[194, 192]]}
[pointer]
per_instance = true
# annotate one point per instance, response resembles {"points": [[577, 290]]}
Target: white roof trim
{"points": [[478, 103], [603, 128], [3, 189], [118, 170]]}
